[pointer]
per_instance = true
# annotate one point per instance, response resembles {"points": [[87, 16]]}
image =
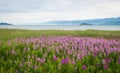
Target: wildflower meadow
{"points": [[60, 54]]}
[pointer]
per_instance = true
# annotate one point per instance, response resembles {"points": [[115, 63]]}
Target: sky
{"points": [[38, 11]]}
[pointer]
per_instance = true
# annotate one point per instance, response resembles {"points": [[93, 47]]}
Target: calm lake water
{"points": [[61, 27]]}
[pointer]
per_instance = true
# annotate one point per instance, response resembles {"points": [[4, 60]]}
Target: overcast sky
{"points": [[36, 11]]}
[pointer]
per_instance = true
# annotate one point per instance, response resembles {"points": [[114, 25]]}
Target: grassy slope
{"points": [[7, 34]]}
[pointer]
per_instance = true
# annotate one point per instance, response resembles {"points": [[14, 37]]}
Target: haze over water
{"points": [[62, 27]]}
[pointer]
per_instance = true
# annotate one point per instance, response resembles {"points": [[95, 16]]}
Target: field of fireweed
{"points": [[60, 54]]}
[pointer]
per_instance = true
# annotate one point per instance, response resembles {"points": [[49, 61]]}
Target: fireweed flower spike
{"points": [[73, 61], [13, 51], [65, 61], [118, 61], [38, 59], [54, 58], [42, 60], [84, 67], [106, 61], [105, 66]]}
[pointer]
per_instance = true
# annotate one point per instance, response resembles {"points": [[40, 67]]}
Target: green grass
{"points": [[8, 34], [16, 56]]}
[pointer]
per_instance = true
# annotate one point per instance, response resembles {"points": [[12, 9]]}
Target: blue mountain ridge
{"points": [[104, 21]]}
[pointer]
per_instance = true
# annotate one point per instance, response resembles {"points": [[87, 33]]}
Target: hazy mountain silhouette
{"points": [[104, 21]]}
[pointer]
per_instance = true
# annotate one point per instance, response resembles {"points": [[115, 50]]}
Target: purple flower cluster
{"points": [[54, 58], [65, 61], [74, 44], [84, 67], [69, 49], [40, 60], [106, 63]]}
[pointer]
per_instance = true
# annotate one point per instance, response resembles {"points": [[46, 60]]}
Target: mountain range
{"points": [[104, 21]]}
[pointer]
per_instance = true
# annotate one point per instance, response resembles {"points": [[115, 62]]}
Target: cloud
{"points": [[52, 5], [24, 11]]}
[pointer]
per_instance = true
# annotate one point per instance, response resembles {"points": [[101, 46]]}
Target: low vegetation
{"points": [[58, 51]]}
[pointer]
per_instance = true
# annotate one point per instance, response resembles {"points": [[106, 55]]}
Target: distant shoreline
{"points": [[5, 24], [62, 27]]}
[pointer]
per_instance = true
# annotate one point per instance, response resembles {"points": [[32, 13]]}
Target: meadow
{"points": [[59, 51]]}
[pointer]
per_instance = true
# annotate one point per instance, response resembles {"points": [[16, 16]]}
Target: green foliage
{"points": [[24, 60], [8, 34]]}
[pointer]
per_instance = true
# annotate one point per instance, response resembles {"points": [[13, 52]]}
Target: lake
{"points": [[61, 27]]}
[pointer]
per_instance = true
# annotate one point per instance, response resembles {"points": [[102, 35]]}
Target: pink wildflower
{"points": [[105, 66], [42, 60], [13, 51], [65, 61], [38, 59], [106, 61], [118, 61], [73, 61], [54, 58], [84, 67]]}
